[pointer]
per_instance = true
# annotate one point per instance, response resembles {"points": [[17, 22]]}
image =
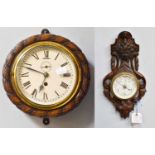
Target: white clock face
{"points": [[124, 86], [46, 75]]}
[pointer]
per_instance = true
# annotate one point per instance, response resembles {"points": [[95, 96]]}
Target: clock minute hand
{"points": [[35, 70]]}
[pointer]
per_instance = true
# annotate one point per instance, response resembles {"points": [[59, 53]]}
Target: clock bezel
{"points": [[78, 97], [124, 74], [27, 100]]}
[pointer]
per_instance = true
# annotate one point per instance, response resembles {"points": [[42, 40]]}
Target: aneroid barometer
{"points": [[46, 75], [124, 86]]}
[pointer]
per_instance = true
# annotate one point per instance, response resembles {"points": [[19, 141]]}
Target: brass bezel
{"points": [[129, 75], [24, 98]]}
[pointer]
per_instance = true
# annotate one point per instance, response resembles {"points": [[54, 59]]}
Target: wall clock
{"points": [[46, 75], [124, 85]]}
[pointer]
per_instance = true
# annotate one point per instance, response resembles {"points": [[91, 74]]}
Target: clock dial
{"points": [[124, 86], [45, 74]]}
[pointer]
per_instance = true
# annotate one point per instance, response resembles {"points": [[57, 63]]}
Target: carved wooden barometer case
{"points": [[124, 86], [46, 75]]}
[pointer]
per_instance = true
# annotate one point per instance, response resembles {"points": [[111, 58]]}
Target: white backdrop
{"points": [[83, 115], [105, 113]]}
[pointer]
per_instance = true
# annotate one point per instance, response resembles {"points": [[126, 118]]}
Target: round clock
{"points": [[46, 75], [124, 85]]}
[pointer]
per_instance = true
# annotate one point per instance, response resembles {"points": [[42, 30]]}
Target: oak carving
{"points": [[124, 58]]}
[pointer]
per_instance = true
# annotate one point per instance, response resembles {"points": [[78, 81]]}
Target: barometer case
{"points": [[124, 86]]}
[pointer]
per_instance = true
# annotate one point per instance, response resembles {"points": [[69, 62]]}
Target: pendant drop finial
{"points": [[46, 121]]}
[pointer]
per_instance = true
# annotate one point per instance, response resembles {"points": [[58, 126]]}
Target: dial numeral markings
{"points": [[45, 97], [46, 53], [25, 74], [35, 56], [64, 64], [56, 56], [57, 93], [34, 93], [27, 64], [64, 85], [66, 75], [27, 84]]}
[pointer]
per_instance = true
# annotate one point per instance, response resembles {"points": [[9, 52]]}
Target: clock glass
{"points": [[46, 75], [124, 85]]}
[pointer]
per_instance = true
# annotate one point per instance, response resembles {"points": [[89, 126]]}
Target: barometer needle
{"points": [[129, 89]]}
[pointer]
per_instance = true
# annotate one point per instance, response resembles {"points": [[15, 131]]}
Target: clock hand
{"points": [[129, 89], [35, 70], [46, 75], [121, 84], [125, 87], [42, 86]]}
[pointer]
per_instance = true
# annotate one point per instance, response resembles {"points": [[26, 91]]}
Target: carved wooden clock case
{"points": [[124, 86], [46, 75]]}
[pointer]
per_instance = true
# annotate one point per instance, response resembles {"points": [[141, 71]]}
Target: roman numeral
{"points": [[46, 53], [27, 84], [56, 56], [66, 75], [25, 74], [64, 64], [35, 56], [45, 97], [34, 93], [64, 85], [57, 93], [27, 64]]}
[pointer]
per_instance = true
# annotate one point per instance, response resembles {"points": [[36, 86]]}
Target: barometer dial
{"points": [[124, 86]]}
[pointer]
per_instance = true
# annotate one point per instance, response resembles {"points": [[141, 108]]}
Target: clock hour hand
{"points": [[42, 85], [41, 88], [35, 70]]}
